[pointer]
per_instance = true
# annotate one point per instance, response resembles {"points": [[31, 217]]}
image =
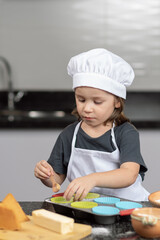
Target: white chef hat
{"points": [[100, 68]]}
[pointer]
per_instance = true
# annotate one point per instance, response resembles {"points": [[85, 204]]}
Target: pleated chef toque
{"points": [[100, 68]]}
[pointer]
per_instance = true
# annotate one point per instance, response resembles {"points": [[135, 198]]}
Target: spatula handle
{"points": [[55, 186], [53, 180]]}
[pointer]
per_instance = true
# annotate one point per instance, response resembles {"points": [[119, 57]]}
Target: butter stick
{"points": [[53, 221]]}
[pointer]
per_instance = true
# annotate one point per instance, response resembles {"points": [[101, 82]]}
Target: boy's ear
{"points": [[117, 104]]}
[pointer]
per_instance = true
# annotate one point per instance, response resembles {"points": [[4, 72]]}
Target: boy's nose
{"points": [[88, 107]]}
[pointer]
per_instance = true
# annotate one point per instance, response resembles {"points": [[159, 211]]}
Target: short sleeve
{"points": [[129, 146], [60, 155], [56, 158]]}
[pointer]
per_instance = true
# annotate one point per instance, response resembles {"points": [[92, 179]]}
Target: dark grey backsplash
{"points": [[143, 109]]}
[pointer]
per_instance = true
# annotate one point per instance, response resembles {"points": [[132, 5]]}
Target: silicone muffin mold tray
{"points": [[101, 209]]}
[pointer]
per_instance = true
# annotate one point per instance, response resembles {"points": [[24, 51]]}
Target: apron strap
{"points": [[75, 133], [113, 136]]}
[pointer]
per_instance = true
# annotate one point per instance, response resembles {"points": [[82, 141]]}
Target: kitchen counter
{"points": [[44, 110], [121, 230]]}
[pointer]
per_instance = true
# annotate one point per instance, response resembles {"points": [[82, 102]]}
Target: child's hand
{"points": [[80, 187], [43, 170]]}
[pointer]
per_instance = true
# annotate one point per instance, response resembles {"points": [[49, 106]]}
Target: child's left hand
{"points": [[80, 187]]}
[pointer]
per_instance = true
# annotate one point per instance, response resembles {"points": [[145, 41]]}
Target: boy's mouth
{"points": [[88, 118]]}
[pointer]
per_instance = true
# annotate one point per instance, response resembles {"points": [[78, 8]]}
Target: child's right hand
{"points": [[43, 170]]}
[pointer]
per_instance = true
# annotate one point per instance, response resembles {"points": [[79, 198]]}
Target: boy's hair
{"points": [[117, 116]]}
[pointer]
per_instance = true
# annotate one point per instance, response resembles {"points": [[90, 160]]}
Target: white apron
{"points": [[83, 162]]}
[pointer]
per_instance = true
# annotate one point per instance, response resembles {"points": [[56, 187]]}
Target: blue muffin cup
{"points": [[105, 210], [107, 200], [124, 205]]}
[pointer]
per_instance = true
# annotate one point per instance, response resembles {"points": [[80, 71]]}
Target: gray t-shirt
{"points": [[127, 139]]}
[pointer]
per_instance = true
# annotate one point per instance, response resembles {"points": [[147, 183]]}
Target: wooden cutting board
{"points": [[30, 231]]}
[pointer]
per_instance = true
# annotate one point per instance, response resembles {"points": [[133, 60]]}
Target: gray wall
{"points": [[21, 150], [39, 37]]}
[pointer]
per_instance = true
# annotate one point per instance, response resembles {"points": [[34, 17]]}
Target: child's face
{"points": [[95, 106]]}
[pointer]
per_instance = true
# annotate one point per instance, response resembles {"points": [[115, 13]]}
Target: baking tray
{"points": [[87, 214]]}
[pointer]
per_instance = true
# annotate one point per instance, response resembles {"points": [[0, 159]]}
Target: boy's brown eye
{"points": [[81, 100], [97, 102]]}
